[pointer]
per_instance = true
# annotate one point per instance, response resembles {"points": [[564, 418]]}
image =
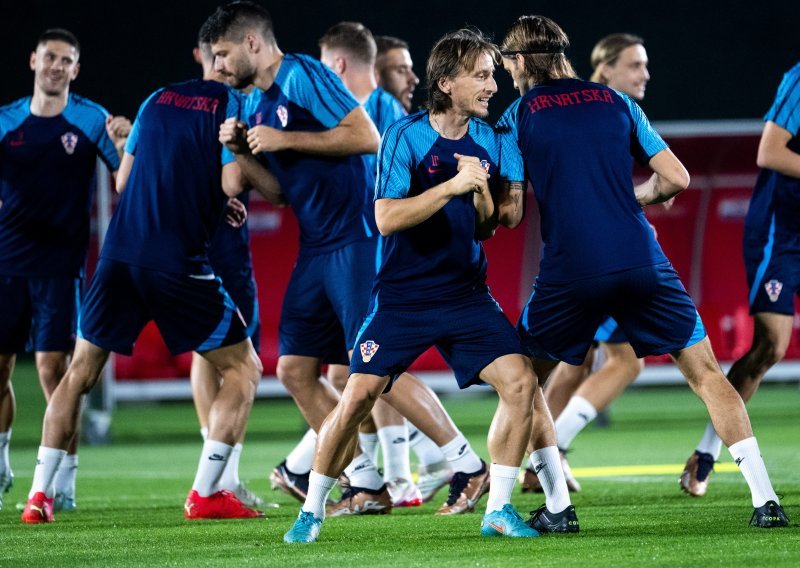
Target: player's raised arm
{"points": [[355, 134], [773, 152]]}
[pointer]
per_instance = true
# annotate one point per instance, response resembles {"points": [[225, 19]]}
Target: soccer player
{"points": [[772, 261], [601, 257], [229, 255], [50, 143], [312, 133], [437, 172], [394, 69], [154, 266], [575, 399]]}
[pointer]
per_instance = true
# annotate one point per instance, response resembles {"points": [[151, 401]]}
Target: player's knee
{"points": [[292, 375], [356, 403], [518, 387]]}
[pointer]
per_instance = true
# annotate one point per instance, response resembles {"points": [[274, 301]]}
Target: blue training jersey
{"points": [[46, 169], [440, 260], [774, 212], [173, 201], [384, 110], [578, 141], [325, 192]]}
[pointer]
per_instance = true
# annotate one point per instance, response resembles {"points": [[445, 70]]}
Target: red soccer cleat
{"points": [[38, 510], [220, 505]]}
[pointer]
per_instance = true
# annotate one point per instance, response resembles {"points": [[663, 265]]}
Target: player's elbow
{"points": [[764, 158], [384, 218]]}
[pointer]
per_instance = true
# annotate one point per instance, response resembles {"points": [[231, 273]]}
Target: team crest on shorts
{"points": [[368, 350], [283, 115], [773, 288], [485, 165], [69, 140]]}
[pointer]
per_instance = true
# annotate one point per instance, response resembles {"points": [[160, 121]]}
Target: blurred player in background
{"points": [[575, 399], [578, 155], [772, 262], [394, 69], [154, 266], [229, 255], [49, 144]]}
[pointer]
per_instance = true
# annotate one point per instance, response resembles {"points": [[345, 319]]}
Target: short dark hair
{"points": [[456, 52], [385, 43], [233, 20], [530, 33], [59, 34], [353, 37]]}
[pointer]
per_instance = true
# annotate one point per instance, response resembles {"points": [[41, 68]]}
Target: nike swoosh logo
{"points": [[495, 527], [216, 457], [434, 170], [538, 468]]}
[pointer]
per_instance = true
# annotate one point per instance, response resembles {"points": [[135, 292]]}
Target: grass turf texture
{"points": [[130, 495]]}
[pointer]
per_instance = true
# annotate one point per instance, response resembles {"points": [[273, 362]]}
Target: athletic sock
{"points": [[5, 442], [503, 479], [710, 443], [394, 446], [362, 473], [747, 456], [66, 475], [424, 448], [574, 418], [369, 445], [204, 433], [47, 462], [213, 460], [547, 465], [301, 458], [319, 487], [230, 475], [461, 456]]}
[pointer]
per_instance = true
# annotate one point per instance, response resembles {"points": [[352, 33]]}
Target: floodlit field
{"points": [[130, 495]]}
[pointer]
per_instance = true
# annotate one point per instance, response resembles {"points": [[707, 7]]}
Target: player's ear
{"points": [[75, 71], [444, 84], [340, 65], [33, 61], [197, 57]]}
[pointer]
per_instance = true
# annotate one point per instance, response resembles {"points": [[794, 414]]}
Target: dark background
{"points": [[709, 60]]}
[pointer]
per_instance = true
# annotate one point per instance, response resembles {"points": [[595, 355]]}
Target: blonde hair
{"points": [[531, 33], [607, 51]]}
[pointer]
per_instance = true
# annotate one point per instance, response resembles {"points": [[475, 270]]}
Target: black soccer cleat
{"points": [[768, 516], [546, 522]]}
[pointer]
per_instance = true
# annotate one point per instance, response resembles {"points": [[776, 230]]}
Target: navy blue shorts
{"points": [[38, 314], [610, 332], [773, 275], [192, 314], [240, 283], [326, 301], [650, 304], [469, 336]]}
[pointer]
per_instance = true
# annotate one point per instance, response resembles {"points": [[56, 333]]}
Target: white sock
{"points": [[66, 475], [394, 446], [213, 460], [503, 479], [369, 445], [230, 475], [460, 455], [362, 473], [204, 433], [574, 418], [47, 462], [747, 456], [5, 442], [424, 448], [301, 458], [319, 487], [547, 465], [710, 443]]}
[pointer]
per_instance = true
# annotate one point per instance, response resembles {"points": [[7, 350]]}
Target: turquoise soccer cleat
{"points": [[506, 522], [305, 529]]}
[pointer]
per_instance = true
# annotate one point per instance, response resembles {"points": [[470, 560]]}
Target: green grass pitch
{"points": [[130, 496]]}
